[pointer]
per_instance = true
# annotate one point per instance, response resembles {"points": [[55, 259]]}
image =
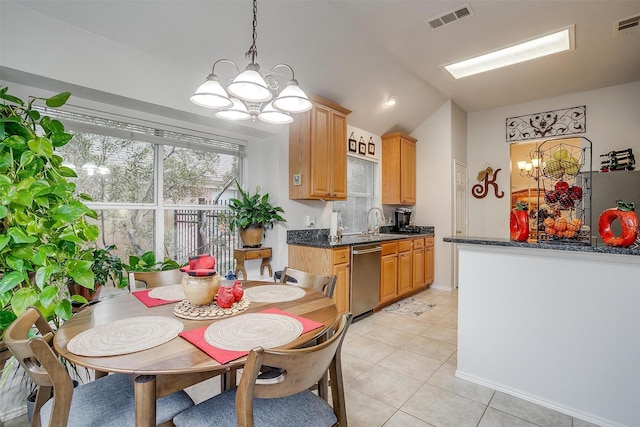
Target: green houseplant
{"points": [[152, 272], [105, 266], [43, 225], [252, 213]]}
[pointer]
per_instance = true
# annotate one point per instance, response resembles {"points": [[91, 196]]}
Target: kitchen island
{"points": [[555, 324]]}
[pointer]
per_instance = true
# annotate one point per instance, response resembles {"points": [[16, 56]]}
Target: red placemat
{"points": [[196, 337], [144, 298]]}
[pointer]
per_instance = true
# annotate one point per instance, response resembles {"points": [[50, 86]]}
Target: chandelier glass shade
{"points": [[530, 168], [248, 95]]}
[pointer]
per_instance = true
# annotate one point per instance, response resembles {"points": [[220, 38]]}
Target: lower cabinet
{"points": [[406, 266], [388, 272], [418, 263], [430, 272], [325, 262]]}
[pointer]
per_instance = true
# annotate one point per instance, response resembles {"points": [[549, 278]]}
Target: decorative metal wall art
{"points": [[567, 121], [487, 177]]}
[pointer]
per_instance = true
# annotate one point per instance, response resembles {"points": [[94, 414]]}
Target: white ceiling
{"points": [[358, 52]]}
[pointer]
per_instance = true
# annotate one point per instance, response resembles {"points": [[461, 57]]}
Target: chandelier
{"points": [[249, 95], [531, 168]]}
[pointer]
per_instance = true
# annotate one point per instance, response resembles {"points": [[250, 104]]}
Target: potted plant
{"points": [[105, 266], [252, 213], [152, 272], [43, 224]]}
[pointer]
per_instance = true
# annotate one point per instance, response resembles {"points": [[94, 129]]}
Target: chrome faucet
{"points": [[376, 228]]}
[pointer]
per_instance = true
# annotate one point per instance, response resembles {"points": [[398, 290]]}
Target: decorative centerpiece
{"points": [[207, 297], [628, 220], [201, 281]]}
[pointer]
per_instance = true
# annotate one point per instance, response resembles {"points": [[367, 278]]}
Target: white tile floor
{"points": [[399, 372]]}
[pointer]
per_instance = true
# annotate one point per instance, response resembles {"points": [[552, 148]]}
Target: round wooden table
{"points": [[177, 364]]}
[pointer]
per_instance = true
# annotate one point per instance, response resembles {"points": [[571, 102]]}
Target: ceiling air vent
{"points": [[627, 26], [449, 17]]}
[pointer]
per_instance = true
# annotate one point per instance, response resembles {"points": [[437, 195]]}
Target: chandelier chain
{"points": [[252, 53]]}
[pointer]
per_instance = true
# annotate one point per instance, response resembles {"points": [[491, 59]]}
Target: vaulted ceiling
{"points": [[357, 53]]}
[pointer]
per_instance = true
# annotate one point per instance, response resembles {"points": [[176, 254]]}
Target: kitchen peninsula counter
{"points": [[319, 238], [555, 324], [490, 241]]}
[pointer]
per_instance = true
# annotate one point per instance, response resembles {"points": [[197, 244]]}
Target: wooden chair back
{"points": [[301, 369], [154, 279], [324, 284], [41, 363]]}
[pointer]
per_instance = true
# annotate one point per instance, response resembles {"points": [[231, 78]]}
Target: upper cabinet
{"points": [[318, 152], [398, 169]]}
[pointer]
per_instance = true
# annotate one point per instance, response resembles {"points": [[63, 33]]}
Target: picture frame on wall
{"points": [[371, 147], [362, 147], [352, 143]]}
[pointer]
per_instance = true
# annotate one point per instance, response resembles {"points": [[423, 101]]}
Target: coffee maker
{"points": [[403, 219]]}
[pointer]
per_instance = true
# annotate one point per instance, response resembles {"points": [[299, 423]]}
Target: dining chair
{"points": [[324, 284], [108, 401], [154, 279], [285, 400]]}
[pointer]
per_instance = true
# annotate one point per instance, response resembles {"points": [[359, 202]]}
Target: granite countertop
{"points": [[491, 241], [319, 238]]}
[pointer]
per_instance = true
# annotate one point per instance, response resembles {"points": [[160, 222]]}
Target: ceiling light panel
{"points": [[560, 41]]}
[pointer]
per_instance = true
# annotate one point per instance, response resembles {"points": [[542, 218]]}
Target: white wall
{"points": [[433, 176], [612, 124]]}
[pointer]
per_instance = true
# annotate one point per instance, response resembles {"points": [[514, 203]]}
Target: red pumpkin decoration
{"points": [[628, 221], [519, 222], [225, 298], [238, 292]]}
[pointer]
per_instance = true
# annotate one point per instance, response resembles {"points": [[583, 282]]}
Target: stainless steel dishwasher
{"points": [[365, 278]]}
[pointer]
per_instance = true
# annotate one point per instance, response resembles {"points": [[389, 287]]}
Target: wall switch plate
{"points": [[310, 220], [297, 179]]}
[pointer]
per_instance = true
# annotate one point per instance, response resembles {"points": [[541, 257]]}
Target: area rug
{"points": [[410, 307]]}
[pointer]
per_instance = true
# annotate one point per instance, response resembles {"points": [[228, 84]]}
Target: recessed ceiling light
{"points": [[391, 101], [532, 49]]}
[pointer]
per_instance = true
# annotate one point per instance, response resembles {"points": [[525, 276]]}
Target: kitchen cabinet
{"points": [[388, 272], [429, 274], [318, 152], [398, 169], [325, 262], [405, 267], [419, 264]]}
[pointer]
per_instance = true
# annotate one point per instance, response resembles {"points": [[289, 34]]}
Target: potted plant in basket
{"points": [[252, 214], [149, 270], [43, 224]]}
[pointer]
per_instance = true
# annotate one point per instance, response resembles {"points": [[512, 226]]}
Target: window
{"points": [[154, 189], [360, 194]]}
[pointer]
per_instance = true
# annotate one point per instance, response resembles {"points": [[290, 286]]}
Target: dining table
{"points": [[178, 363]]}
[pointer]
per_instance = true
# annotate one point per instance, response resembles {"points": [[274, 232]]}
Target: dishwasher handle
{"points": [[367, 250]]}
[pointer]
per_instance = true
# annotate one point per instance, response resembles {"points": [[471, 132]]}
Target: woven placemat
{"points": [[168, 293], [186, 310], [125, 336], [250, 330], [274, 293]]}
